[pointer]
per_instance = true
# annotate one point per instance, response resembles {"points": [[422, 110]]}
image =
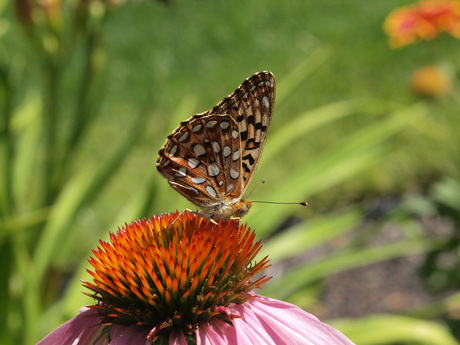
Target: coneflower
{"points": [[182, 279]]}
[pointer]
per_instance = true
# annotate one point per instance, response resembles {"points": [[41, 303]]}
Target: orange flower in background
{"points": [[430, 81], [423, 21]]}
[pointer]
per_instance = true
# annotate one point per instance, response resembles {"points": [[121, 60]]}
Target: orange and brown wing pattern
{"points": [[201, 159], [251, 105]]}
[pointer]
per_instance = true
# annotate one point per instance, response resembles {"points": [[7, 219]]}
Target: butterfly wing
{"points": [[201, 159], [210, 158], [251, 106]]}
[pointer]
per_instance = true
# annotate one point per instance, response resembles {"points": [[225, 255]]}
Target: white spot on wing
{"points": [[197, 128], [229, 188], [256, 102], [198, 180], [213, 170], [211, 123], [216, 146], [227, 151], [265, 102], [194, 190], [193, 162], [235, 134], [236, 155], [183, 137], [173, 151], [224, 124], [211, 191], [233, 174], [182, 172], [199, 150]]}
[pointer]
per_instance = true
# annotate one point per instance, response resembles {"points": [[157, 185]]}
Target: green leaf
{"points": [[298, 75], [394, 329], [304, 237]]}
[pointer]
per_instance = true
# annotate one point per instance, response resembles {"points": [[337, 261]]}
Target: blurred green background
{"points": [[90, 89]]}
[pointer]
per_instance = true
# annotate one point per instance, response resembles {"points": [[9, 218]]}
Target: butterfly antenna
{"points": [[303, 203], [253, 189]]}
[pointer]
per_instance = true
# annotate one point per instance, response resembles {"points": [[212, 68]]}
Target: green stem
{"points": [[50, 130], [82, 114], [31, 295], [6, 257], [7, 200], [6, 144]]}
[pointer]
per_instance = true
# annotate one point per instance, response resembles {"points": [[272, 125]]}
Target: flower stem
{"points": [[6, 194], [50, 126], [83, 112]]}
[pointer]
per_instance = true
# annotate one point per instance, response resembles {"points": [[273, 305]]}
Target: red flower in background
{"points": [[423, 21]]}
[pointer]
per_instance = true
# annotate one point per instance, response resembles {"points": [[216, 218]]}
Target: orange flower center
{"points": [[174, 271]]}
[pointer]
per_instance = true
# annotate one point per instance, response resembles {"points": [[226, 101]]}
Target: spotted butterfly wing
{"points": [[211, 157], [201, 162]]}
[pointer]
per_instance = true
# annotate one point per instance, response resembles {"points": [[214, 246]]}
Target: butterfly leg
{"points": [[195, 213], [202, 215], [238, 219], [180, 214]]}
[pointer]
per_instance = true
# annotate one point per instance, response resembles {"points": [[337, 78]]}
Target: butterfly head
{"points": [[227, 209], [241, 208]]}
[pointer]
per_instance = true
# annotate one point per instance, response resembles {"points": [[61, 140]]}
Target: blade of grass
{"points": [[307, 236], [27, 126], [311, 120], [80, 191], [304, 123], [447, 192], [298, 75], [6, 144], [438, 308], [394, 329], [18, 223]]}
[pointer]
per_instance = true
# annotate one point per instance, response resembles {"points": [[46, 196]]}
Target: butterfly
{"points": [[211, 157]]}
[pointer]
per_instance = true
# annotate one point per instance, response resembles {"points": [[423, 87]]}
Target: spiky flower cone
{"points": [[182, 279], [174, 272]]}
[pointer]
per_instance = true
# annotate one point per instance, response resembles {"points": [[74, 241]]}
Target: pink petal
{"points": [[217, 332], [177, 338], [127, 335], [81, 330], [84, 329], [133, 334], [270, 321]]}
